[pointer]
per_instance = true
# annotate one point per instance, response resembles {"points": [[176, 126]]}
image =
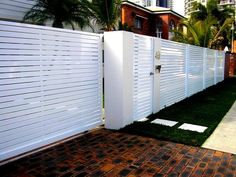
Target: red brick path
{"points": [[111, 154]]}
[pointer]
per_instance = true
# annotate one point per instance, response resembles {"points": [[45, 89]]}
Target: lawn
{"points": [[206, 108]]}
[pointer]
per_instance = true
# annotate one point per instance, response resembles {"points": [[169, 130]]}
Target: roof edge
{"points": [[153, 11]]}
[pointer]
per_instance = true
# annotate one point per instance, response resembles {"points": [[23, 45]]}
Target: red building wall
{"points": [[230, 64], [149, 20], [128, 16]]}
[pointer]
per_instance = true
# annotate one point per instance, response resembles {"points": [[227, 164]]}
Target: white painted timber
{"points": [[192, 127], [195, 69], [143, 76], [131, 93], [50, 85], [220, 66], [165, 122], [172, 79], [210, 68], [15, 9]]}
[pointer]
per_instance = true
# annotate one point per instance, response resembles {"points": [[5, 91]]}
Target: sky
{"points": [[178, 6]]}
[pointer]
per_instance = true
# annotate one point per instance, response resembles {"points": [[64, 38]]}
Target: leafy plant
{"points": [[105, 13], [58, 11], [207, 26]]}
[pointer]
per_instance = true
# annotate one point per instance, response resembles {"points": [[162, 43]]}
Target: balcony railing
{"points": [[227, 2]]}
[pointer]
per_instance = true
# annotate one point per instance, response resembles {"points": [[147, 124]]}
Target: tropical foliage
{"points": [[60, 12], [104, 13], [207, 26]]}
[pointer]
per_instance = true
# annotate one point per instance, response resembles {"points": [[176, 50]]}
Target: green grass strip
{"points": [[206, 108]]}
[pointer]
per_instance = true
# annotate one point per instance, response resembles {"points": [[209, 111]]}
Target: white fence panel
{"points": [[177, 71], [50, 85], [209, 67], [220, 66], [15, 9], [143, 80], [172, 81], [195, 69]]}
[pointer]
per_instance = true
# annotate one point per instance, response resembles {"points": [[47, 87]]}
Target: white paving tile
{"points": [[192, 127], [164, 122], [143, 120]]}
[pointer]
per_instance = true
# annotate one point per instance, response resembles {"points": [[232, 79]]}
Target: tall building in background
{"points": [[188, 5], [175, 5], [165, 3], [160, 3], [228, 3], [222, 4]]}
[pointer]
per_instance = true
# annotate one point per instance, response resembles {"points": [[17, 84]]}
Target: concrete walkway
{"points": [[224, 136]]}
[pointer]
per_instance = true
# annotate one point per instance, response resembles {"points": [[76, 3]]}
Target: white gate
{"points": [[172, 81], [143, 76], [50, 85]]}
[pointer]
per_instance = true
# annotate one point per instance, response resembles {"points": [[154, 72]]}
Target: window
{"points": [[172, 25], [138, 22], [148, 3], [159, 28]]}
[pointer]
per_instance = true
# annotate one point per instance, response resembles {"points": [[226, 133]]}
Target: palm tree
{"points": [[201, 12], [204, 33], [207, 26], [105, 13], [58, 11]]}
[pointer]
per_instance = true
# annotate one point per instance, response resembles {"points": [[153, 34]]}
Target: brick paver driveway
{"points": [[107, 153]]}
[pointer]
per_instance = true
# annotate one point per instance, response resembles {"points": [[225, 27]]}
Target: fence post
{"points": [[157, 74], [186, 70], [215, 67], [118, 70], [204, 67], [223, 65]]}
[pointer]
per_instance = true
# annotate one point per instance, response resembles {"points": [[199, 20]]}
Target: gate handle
{"points": [[158, 67], [151, 73]]}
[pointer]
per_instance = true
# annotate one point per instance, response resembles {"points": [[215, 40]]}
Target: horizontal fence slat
{"points": [[50, 85]]}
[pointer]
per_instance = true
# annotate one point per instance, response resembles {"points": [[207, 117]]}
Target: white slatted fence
{"points": [[185, 70], [50, 85], [143, 78], [15, 9], [172, 82], [220, 66], [209, 68], [195, 69]]}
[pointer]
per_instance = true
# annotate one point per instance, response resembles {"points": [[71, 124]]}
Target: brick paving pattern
{"points": [[111, 154]]}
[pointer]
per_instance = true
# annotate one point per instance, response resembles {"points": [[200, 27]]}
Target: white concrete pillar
{"points": [[118, 69]]}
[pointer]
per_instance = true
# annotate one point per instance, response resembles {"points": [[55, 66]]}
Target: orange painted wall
{"points": [[149, 21], [230, 64], [128, 16]]}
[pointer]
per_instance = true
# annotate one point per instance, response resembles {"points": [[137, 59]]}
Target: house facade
{"points": [[151, 21]]}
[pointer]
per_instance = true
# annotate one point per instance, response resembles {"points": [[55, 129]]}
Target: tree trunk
{"points": [[57, 24]]}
